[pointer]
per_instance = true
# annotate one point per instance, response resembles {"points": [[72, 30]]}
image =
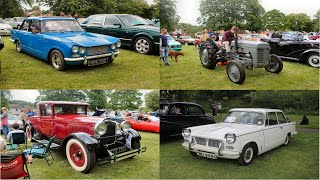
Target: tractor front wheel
{"points": [[236, 72], [275, 65]]}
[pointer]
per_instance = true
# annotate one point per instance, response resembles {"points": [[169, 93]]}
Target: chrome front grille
{"points": [[260, 56], [97, 50], [203, 142], [213, 143]]}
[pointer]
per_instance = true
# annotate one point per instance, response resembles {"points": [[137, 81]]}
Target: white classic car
{"points": [[243, 134]]}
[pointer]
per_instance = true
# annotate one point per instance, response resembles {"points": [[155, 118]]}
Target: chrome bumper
{"points": [[121, 156], [92, 57], [12, 40]]}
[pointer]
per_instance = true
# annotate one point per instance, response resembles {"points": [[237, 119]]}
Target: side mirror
{"points": [[119, 25]]}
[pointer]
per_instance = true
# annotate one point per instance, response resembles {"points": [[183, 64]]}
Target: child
{"points": [[164, 50]]}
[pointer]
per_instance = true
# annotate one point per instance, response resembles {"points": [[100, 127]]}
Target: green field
{"points": [[144, 166], [188, 73], [130, 70], [298, 160]]}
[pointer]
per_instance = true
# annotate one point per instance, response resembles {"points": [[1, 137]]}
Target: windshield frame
{"points": [[58, 20], [124, 16], [240, 122]]}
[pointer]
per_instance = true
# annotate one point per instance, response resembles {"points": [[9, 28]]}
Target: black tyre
{"points": [[143, 45], [135, 143], [247, 155], [79, 156], [236, 72], [18, 47], [287, 140], [275, 65], [57, 60], [314, 60], [192, 153], [208, 57], [30, 133]]}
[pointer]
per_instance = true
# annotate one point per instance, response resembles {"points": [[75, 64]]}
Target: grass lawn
{"points": [[144, 166], [298, 160], [188, 73], [130, 70]]}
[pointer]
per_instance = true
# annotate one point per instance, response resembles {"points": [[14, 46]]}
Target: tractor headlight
{"points": [[230, 138], [101, 128], [125, 126], [186, 133], [75, 49], [113, 46], [82, 50], [119, 44]]}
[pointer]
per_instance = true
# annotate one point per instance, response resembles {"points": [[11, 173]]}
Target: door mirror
{"points": [[119, 25]]}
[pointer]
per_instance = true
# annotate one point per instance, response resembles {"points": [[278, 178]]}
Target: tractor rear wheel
{"points": [[275, 65], [208, 57], [236, 72]]}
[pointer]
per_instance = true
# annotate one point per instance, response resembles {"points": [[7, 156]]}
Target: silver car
{"points": [[5, 29], [15, 22], [13, 119]]}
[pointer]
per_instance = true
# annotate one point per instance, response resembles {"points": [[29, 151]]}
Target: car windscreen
{"points": [[69, 109], [20, 19], [245, 117], [170, 38], [132, 20], [61, 26]]}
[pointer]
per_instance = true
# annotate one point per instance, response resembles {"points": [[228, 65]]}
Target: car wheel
{"points": [[286, 142], [135, 143], [32, 134], [236, 72], [208, 57], [79, 156], [143, 45], [29, 134], [57, 60], [275, 65], [314, 60], [18, 47], [246, 156]]}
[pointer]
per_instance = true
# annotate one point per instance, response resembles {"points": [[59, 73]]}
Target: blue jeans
{"points": [[5, 130], [164, 54]]}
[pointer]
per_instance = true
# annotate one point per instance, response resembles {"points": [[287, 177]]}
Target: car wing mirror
{"points": [[119, 25]]}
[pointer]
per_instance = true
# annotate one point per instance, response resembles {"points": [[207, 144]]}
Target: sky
{"points": [[31, 95], [188, 10]]}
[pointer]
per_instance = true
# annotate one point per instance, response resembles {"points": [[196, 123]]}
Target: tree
{"points": [[5, 98], [298, 22], [316, 21], [274, 20], [12, 8], [125, 99], [97, 99], [221, 14], [152, 100], [61, 95], [168, 14]]}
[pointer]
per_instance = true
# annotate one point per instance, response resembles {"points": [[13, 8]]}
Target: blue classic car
{"points": [[61, 41]]}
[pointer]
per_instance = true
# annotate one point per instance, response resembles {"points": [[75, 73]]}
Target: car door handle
{"points": [[281, 127]]}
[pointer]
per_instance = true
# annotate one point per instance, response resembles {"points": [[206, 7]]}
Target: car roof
{"points": [[63, 102], [51, 18], [182, 103], [264, 110]]}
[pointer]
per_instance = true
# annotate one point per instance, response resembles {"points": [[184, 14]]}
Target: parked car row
{"points": [[5, 29]]}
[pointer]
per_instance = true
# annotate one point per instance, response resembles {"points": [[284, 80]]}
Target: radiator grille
{"points": [[211, 142], [200, 141], [109, 137], [97, 50], [261, 56]]}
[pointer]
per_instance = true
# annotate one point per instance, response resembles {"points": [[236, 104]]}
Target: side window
{"points": [[177, 110], [272, 118], [25, 25], [281, 118], [45, 110], [194, 110], [111, 20], [35, 24], [98, 20]]}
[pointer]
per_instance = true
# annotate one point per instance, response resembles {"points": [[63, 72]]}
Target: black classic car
{"points": [[176, 116], [292, 46], [134, 31], [1, 43]]}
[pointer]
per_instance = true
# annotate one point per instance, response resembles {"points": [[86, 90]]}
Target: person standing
{"points": [[30, 112], [4, 121], [24, 118], [213, 108], [219, 109], [227, 38], [204, 36], [164, 46]]}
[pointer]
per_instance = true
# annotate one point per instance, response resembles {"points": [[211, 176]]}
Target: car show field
{"points": [[188, 73]]}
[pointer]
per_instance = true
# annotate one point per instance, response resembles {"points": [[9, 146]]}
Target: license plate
{"points": [[207, 155], [97, 62]]}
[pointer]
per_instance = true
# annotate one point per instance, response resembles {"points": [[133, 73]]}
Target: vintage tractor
{"points": [[243, 54]]}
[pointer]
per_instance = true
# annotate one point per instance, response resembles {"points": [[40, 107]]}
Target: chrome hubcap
{"points": [[234, 72], [273, 65], [56, 60], [314, 61], [248, 155], [204, 56], [142, 46]]}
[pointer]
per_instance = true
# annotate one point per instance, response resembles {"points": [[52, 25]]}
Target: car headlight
{"points": [[82, 50], [113, 46], [119, 44], [100, 128], [230, 138], [125, 126], [75, 49], [186, 133]]}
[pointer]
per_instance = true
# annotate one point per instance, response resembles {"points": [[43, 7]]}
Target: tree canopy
{"points": [[274, 20], [168, 14], [125, 99], [152, 100]]}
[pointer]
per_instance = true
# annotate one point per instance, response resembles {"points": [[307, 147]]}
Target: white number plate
{"points": [[97, 62], [207, 155]]}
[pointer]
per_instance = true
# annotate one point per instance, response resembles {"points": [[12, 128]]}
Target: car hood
{"points": [[218, 131], [82, 38], [2, 26]]}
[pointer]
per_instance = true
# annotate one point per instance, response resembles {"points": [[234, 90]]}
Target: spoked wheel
{"points": [[236, 72], [314, 60], [246, 156], [143, 45], [208, 57], [79, 156], [57, 60], [18, 47], [29, 133], [275, 65]]}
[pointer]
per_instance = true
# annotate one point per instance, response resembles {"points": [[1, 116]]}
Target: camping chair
{"points": [[17, 139], [14, 166], [41, 151]]}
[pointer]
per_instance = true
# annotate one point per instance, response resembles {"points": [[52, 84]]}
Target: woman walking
{"points": [[4, 121]]}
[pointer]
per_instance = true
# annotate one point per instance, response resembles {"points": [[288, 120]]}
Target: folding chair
{"points": [[41, 151], [17, 139], [14, 166]]}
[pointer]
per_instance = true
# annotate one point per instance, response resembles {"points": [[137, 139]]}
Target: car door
{"points": [[22, 36], [284, 126], [95, 25], [36, 39], [47, 121], [113, 26], [197, 116], [272, 131], [177, 119]]}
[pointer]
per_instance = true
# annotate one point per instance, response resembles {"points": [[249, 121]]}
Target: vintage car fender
{"points": [[305, 53], [134, 134], [85, 138], [143, 34]]}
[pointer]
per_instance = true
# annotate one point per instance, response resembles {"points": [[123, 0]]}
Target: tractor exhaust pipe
{"points": [[236, 38]]}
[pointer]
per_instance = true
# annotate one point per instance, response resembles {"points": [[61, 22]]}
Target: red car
{"points": [[314, 37], [85, 139], [145, 123], [186, 40]]}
